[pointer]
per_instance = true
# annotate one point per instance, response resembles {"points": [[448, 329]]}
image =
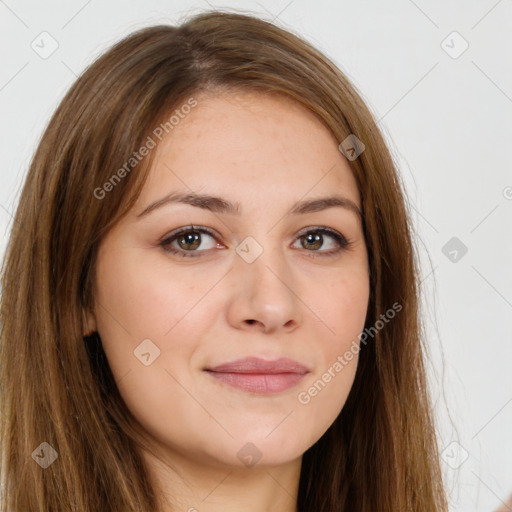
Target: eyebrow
{"points": [[220, 205]]}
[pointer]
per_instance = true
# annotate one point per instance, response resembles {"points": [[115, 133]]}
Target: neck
{"points": [[189, 485]]}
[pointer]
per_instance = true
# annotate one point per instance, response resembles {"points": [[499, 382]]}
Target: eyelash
{"points": [[342, 242]]}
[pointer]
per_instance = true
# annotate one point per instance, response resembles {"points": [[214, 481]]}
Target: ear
{"points": [[90, 323]]}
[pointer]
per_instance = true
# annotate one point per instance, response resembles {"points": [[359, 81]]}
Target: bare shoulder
{"points": [[506, 507]]}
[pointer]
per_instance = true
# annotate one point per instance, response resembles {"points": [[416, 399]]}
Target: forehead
{"points": [[249, 145]]}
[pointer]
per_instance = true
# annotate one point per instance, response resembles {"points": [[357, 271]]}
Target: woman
{"points": [[210, 293]]}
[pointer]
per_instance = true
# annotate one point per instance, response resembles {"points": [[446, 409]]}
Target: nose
{"points": [[264, 296]]}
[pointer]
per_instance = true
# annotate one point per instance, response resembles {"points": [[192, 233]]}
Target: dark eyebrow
{"points": [[219, 205]]}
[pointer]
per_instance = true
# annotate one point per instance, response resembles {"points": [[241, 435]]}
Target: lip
{"points": [[259, 376]]}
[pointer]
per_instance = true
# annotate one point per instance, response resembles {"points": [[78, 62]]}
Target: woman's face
{"points": [[258, 282]]}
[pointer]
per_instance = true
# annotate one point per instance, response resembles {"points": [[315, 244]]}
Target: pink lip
{"points": [[256, 375]]}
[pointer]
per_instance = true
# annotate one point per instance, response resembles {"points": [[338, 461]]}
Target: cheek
{"points": [[150, 327], [146, 309], [141, 299], [340, 307], [342, 310], [134, 303]]}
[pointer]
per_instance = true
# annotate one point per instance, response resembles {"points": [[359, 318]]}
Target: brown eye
{"points": [[186, 241], [311, 241], [190, 240], [314, 239]]}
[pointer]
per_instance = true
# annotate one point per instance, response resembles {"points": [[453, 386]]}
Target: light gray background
{"points": [[448, 121]]}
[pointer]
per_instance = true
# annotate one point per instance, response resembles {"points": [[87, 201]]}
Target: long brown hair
{"points": [[380, 454]]}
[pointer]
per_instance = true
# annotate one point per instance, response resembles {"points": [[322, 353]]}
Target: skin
{"points": [[266, 153], [506, 507]]}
